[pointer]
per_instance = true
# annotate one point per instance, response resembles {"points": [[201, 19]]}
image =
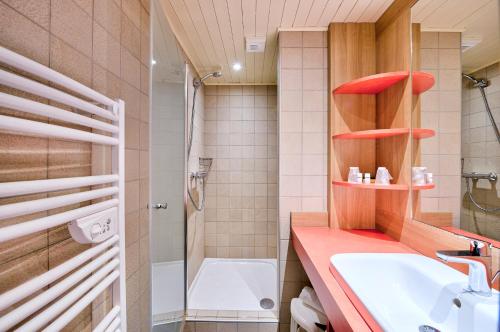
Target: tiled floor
{"points": [[232, 316], [230, 327]]}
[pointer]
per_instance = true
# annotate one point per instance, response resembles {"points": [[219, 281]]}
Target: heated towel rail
{"points": [[76, 283]]}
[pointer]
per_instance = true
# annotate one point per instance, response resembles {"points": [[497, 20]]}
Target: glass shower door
{"points": [[167, 176]]}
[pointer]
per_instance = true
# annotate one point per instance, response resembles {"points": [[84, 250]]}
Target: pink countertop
{"points": [[315, 246]]}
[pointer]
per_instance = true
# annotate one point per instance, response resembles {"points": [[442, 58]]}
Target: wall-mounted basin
{"points": [[409, 292]]}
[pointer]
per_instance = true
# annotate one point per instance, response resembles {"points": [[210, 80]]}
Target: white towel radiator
{"points": [[82, 278]]}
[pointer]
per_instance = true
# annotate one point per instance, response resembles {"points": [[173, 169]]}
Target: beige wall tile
{"points": [[82, 40], [72, 24], [36, 10], [70, 62]]}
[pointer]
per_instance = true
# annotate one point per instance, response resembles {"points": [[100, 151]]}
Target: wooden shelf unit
{"points": [[369, 123]]}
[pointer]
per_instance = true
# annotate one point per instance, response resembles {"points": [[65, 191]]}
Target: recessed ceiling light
{"points": [[237, 66], [153, 62]]}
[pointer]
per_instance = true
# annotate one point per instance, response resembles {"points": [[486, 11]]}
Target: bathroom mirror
{"points": [[456, 143]]}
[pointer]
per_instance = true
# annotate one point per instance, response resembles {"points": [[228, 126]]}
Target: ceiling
{"points": [[212, 32], [476, 19]]}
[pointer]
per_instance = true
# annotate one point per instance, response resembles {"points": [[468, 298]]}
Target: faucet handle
{"points": [[478, 280]]}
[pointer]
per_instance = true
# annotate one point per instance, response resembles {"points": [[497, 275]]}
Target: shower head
{"points": [[197, 81], [480, 83]]}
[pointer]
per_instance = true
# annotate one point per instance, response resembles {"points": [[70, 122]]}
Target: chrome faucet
{"points": [[478, 279]]}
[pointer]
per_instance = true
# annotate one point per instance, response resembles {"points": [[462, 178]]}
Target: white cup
{"points": [[353, 174], [418, 175], [428, 178], [383, 176]]}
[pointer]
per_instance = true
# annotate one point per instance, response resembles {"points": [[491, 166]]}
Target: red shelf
{"points": [[372, 84], [421, 82], [422, 133], [375, 133], [371, 186], [423, 186]]}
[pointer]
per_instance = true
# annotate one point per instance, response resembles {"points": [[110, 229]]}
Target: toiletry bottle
{"points": [[367, 178], [359, 178]]}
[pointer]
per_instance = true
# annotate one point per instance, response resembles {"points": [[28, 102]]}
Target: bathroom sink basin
{"points": [[409, 292]]}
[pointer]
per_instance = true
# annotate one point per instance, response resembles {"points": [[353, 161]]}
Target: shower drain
{"points": [[266, 303]]}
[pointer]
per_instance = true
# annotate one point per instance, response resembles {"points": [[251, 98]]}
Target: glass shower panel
{"points": [[167, 174]]}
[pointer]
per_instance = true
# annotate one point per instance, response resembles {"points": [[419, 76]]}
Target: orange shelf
{"points": [[421, 82], [422, 133], [372, 84], [423, 186], [375, 133], [382, 133], [371, 186]]}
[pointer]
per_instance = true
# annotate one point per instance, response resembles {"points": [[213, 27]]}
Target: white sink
{"points": [[404, 292]]}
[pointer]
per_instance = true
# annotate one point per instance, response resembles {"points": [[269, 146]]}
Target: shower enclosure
{"points": [[167, 166], [213, 208]]}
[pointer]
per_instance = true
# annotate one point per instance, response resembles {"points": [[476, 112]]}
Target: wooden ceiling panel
{"points": [[212, 32], [475, 19]]}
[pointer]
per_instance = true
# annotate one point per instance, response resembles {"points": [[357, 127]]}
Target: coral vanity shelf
{"points": [[421, 82], [372, 84], [382, 133], [423, 186], [371, 186], [377, 83]]}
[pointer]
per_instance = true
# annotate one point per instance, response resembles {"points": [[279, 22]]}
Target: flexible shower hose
{"points": [[476, 203], [190, 143]]}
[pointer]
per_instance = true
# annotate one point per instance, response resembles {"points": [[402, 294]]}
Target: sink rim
{"points": [[360, 306]]}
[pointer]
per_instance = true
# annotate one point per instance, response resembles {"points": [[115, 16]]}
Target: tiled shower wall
{"points": [[241, 136], [481, 153], [103, 44], [302, 84], [441, 110]]}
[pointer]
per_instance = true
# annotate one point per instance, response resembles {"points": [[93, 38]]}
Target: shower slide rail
{"points": [[51, 300]]}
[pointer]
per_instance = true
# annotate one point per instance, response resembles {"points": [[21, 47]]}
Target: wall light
{"points": [[153, 62], [237, 66]]}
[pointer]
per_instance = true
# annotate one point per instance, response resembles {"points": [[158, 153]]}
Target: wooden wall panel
{"points": [[392, 213], [394, 111], [351, 55]]}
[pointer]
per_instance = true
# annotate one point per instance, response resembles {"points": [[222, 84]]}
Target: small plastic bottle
{"points": [[367, 179], [359, 178]]}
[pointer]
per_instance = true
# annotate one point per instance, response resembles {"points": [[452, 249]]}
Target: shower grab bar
{"points": [[78, 281]]}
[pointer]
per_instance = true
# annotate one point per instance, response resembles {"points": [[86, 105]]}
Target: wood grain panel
{"points": [[392, 13], [351, 55], [212, 32], [309, 219], [394, 111]]}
